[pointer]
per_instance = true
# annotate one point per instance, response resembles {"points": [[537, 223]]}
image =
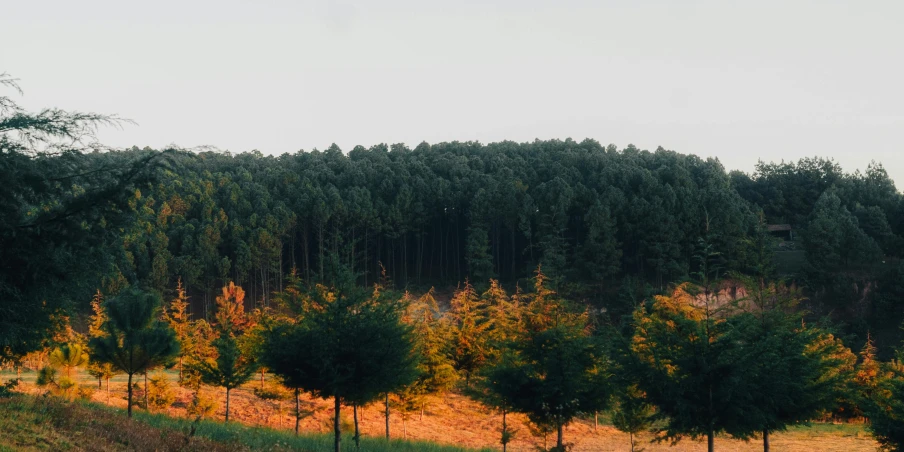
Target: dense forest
{"points": [[609, 226], [552, 278]]}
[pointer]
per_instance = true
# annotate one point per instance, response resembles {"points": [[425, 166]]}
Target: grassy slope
{"points": [[38, 423], [452, 420]]}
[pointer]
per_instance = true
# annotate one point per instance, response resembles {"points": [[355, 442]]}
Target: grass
{"points": [[48, 423], [36, 423]]}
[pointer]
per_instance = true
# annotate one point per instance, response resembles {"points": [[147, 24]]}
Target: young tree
{"points": [[178, 318], [68, 357], [468, 347], [885, 407], [686, 366], [555, 369], [632, 413], [135, 340], [343, 346], [231, 368], [101, 371], [795, 371], [233, 365]]}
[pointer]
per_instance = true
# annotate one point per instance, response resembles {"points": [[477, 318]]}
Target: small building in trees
{"points": [[783, 231]]}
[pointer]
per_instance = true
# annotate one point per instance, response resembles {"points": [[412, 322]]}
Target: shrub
{"points": [[202, 405], [160, 392]]}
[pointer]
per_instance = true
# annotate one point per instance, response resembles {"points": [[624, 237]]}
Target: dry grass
{"points": [[457, 420]]}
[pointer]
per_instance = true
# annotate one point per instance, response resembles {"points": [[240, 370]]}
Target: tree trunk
{"points": [[710, 441], [765, 440], [596, 420], [262, 378], [387, 415], [631, 436], [336, 429], [504, 432], [180, 369], [357, 431], [297, 412], [147, 406], [227, 404], [130, 396], [559, 445], [100, 383]]}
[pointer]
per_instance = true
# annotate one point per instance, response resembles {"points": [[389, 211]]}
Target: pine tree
{"points": [[101, 371], [685, 365], [554, 369], [135, 340], [343, 345], [468, 348], [178, 318], [632, 412], [231, 369]]}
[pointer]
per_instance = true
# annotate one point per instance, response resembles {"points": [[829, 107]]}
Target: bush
{"points": [[202, 406], [160, 392]]}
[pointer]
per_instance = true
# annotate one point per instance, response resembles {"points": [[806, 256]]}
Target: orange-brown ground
{"points": [[455, 419]]}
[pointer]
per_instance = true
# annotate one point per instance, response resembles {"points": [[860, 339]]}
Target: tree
{"points": [[344, 346], [68, 357], [686, 365], [62, 207], [231, 368], [632, 413], [135, 341], [178, 318], [554, 370], [796, 372], [101, 371], [468, 348], [885, 407]]}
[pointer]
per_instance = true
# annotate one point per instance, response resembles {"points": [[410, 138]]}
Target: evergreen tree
{"points": [[885, 407], [468, 347], [632, 412], [792, 371], [178, 318], [231, 369], [686, 365], [135, 340], [343, 345], [554, 370]]}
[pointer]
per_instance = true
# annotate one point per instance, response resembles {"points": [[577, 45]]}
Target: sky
{"points": [[740, 81]]}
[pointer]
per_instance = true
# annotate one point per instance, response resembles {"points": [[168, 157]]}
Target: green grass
{"points": [[39, 423], [260, 438]]}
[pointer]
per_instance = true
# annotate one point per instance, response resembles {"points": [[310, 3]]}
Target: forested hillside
{"points": [[552, 279], [609, 226]]}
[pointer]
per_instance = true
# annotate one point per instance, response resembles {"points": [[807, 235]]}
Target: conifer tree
{"points": [[135, 340], [468, 346], [555, 370], [233, 365], [885, 408], [178, 318], [790, 371], [685, 365], [231, 369], [344, 346], [100, 370], [632, 412]]}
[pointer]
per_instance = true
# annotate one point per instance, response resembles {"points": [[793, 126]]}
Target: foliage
{"points": [[343, 345], [160, 392], [135, 340]]}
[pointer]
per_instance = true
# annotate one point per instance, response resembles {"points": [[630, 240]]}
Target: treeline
{"points": [[693, 363], [609, 226]]}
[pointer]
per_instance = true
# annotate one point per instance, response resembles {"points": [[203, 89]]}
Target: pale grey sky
{"points": [[740, 81]]}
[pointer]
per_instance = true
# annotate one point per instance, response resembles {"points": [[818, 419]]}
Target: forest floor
{"points": [[456, 420]]}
